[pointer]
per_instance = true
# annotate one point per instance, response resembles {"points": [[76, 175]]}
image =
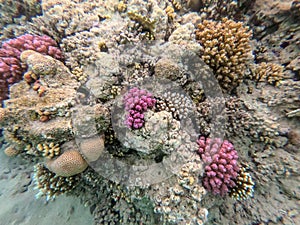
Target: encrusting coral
{"points": [[226, 49]]}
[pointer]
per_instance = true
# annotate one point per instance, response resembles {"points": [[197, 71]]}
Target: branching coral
{"points": [[50, 184], [226, 49], [271, 72], [244, 185]]}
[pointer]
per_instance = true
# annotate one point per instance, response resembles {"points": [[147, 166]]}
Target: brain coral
{"points": [[67, 164], [92, 148], [226, 49]]}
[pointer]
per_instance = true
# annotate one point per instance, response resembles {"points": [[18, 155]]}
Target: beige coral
{"points": [[48, 150], [67, 164], [50, 184], [92, 148], [226, 49], [271, 72], [11, 151], [2, 114]]}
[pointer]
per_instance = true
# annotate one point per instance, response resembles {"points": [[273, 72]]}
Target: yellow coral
{"points": [[226, 49], [244, 185], [67, 164], [92, 148], [48, 150], [271, 72]]}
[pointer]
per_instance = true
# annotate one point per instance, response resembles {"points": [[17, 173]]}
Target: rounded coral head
{"points": [[67, 164], [221, 168]]}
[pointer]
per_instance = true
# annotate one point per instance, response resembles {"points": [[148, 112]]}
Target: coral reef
{"points": [[11, 68], [69, 115], [221, 168], [226, 49]]}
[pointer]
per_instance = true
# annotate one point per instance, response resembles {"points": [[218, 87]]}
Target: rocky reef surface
{"points": [[154, 112]]}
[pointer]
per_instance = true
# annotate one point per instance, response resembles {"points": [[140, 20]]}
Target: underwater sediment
{"points": [[156, 112]]}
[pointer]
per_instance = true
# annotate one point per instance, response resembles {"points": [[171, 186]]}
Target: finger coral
{"points": [[67, 164], [244, 185], [137, 101], [221, 169], [50, 184], [271, 72], [11, 68], [226, 49]]}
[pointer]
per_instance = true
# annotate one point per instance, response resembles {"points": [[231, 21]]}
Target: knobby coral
{"points": [[221, 168], [137, 101]]}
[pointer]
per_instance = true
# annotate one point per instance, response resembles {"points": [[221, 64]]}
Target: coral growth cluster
{"points": [[226, 49], [51, 185], [244, 185], [178, 104], [221, 168], [11, 67], [137, 101], [270, 72]]}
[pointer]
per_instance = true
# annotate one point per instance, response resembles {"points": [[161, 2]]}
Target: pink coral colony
{"points": [[137, 101], [220, 160], [11, 68]]}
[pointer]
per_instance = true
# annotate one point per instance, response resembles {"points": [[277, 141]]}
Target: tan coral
{"points": [[50, 184], [2, 114], [226, 49], [271, 72], [48, 150], [92, 148], [67, 164], [11, 151]]}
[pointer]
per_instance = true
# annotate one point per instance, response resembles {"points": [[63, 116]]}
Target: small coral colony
{"points": [[41, 91]]}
